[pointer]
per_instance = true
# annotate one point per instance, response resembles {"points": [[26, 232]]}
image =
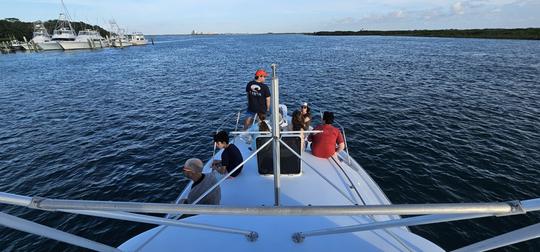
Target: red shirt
{"points": [[324, 143]]}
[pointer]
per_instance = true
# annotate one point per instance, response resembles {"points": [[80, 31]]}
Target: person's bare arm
{"points": [[267, 103], [341, 147]]}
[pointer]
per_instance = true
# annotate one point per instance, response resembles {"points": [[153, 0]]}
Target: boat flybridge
{"points": [[285, 199]]}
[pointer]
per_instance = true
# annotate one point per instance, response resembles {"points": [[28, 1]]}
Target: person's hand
{"points": [[222, 170]]}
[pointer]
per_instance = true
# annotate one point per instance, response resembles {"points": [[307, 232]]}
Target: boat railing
{"points": [[430, 213]]}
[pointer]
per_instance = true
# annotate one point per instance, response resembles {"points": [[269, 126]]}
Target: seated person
{"points": [[201, 183], [297, 125], [324, 144], [231, 156], [306, 115]]}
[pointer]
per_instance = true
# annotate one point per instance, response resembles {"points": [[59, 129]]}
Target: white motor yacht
{"points": [[87, 39], [137, 39], [117, 37], [284, 199], [62, 32], [40, 35]]}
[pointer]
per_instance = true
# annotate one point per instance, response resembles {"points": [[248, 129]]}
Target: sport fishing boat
{"points": [[62, 32], [40, 35], [137, 39], [87, 39], [285, 199], [117, 36]]}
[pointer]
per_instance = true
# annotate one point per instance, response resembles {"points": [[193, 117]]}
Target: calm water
{"points": [[431, 119]]}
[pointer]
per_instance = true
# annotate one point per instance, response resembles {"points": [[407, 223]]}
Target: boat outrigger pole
{"points": [[276, 134]]}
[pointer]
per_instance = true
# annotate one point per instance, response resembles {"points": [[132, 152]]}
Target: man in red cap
{"points": [[258, 96]]}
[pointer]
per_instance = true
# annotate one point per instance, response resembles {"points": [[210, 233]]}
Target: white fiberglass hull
{"points": [[139, 42], [80, 45], [51, 45], [123, 44]]}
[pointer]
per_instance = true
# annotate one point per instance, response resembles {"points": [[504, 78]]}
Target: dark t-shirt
{"points": [[257, 93], [230, 158]]}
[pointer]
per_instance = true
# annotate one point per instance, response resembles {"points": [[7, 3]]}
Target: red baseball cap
{"points": [[261, 72]]}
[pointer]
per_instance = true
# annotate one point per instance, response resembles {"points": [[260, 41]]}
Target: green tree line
{"points": [[520, 33], [13, 27]]}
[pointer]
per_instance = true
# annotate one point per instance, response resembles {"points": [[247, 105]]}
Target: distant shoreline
{"points": [[519, 33]]}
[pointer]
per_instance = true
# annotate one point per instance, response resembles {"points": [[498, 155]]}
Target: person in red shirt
{"points": [[324, 144]]}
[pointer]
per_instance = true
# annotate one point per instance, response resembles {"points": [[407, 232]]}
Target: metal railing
{"points": [[496, 208], [437, 213]]}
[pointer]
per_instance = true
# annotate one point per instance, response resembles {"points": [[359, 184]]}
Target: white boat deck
{"points": [[275, 232]]}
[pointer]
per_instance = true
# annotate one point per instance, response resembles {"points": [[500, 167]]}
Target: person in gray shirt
{"points": [[201, 183]]}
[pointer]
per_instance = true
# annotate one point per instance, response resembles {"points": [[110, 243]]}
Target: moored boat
{"points": [[117, 36], [62, 32], [87, 39], [40, 35], [137, 39]]}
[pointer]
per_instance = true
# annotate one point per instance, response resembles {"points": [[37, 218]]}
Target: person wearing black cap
{"points": [[324, 144], [258, 96], [231, 156]]}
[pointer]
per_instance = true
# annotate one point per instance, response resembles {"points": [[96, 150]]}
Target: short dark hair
{"points": [[328, 117], [221, 136]]}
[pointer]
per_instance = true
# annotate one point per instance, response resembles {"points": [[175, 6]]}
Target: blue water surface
{"points": [[431, 119]]}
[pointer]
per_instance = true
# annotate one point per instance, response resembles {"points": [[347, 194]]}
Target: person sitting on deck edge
{"points": [[230, 157], [258, 96], [201, 183], [324, 143]]}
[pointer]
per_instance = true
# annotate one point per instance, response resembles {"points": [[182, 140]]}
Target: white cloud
{"points": [[458, 8]]}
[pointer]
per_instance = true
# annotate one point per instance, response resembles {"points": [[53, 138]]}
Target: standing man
{"points": [[258, 96]]}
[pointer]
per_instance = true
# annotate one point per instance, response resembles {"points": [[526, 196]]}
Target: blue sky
{"points": [[253, 16]]}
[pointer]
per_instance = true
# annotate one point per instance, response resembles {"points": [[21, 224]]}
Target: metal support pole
{"points": [[499, 208], [405, 209], [276, 133], [41, 230], [141, 218], [411, 221]]}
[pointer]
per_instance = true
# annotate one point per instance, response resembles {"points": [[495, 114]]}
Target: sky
{"points": [[254, 16]]}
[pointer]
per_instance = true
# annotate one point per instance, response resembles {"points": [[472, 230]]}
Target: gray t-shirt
{"points": [[213, 198]]}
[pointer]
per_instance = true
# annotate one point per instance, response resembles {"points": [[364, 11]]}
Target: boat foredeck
{"points": [[275, 232]]}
